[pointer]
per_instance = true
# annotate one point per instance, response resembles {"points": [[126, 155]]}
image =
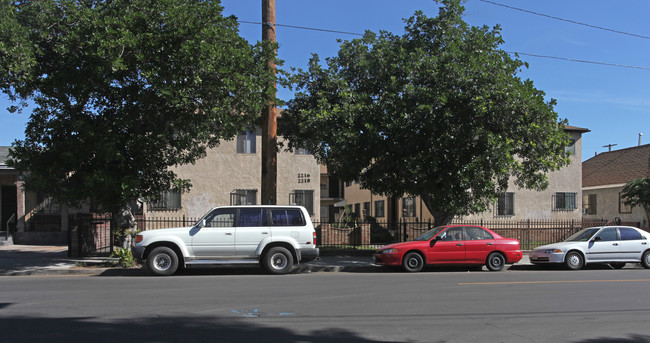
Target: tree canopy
{"points": [[438, 112], [122, 90], [637, 193]]}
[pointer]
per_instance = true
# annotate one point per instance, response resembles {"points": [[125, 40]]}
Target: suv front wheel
{"points": [[278, 260], [162, 261]]}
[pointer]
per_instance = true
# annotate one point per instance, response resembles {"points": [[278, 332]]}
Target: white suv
{"points": [[277, 237]]}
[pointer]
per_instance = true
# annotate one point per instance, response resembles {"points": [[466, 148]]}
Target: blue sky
{"points": [[611, 101]]}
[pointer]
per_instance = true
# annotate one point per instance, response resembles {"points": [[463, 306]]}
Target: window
{"points": [[246, 142], [622, 207], [379, 208], [628, 234], [304, 198], [366, 208], [357, 210], [288, 217], [564, 201], [408, 207], [506, 204], [571, 148], [476, 233], [252, 217], [169, 200], [243, 197], [223, 217], [589, 204], [453, 234], [608, 235]]}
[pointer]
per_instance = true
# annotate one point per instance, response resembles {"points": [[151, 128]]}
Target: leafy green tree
{"points": [[637, 193], [438, 112], [123, 90]]}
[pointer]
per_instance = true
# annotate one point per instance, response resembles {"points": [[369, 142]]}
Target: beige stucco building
{"points": [[562, 200], [230, 174]]}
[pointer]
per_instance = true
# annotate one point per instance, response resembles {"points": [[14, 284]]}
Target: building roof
{"points": [[575, 128], [617, 167]]}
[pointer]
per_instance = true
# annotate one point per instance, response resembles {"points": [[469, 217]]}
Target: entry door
{"points": [[217, 238], [449, 248], [605, 246], [9, 206]]}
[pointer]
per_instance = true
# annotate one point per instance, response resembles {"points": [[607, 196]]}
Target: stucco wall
{"points": [[223, 170], [607, 206]]}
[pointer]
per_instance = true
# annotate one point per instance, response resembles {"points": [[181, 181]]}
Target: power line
{"points": [[510, 52], [580, 61], [566, 20], [305, 28]]}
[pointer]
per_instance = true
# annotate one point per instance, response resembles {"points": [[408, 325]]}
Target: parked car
{"points": [[452, 244], [277, 237], [613, 245]]}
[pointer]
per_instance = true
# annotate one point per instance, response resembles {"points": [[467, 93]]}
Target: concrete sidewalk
{"points": [[21, 260]]}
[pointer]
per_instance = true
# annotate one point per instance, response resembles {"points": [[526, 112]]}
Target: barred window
{"points": [[506, 204], [243, 197], [168, 200], [564, 201], [366, 208], [304, 198]]}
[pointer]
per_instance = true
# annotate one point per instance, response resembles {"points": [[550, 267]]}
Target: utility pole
{"points": [[269, 116], [609, 146]]}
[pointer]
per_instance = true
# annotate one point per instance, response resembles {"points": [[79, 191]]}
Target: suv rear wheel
{"points": [[278, 260]]}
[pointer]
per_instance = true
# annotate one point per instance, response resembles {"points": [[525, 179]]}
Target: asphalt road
{"points": [[440, 305]]}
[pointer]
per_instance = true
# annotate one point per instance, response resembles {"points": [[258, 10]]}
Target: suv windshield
{"points": [[582, 235], [431, 233]]}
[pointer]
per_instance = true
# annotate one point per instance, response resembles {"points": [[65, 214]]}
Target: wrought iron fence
{"points": [[90, 235], [361, 236]]}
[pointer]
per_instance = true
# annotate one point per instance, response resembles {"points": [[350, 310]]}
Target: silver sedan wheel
{"points": [[574, 261]]}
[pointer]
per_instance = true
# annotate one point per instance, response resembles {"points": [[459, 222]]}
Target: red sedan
{"points": [[452, 244]]}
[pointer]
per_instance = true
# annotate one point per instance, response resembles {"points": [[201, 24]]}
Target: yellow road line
{"points": [[533, 282]]}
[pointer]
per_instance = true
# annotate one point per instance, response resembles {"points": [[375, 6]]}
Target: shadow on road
{"points": [[164, 329]]}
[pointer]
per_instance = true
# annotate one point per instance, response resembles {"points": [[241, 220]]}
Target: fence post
{"points": [[528, 242], [404, 238]]}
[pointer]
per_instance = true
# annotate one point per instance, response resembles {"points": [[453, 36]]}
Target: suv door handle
{"points": [[615, 244], [459, 244], [644, 243], [228, 233], [490, 244]]}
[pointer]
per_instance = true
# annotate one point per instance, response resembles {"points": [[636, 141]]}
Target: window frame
{"points": [[505, 205], [246, 142]]}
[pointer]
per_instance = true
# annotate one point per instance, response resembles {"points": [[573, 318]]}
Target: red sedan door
{"points": [[478, 245], [449, 248]]}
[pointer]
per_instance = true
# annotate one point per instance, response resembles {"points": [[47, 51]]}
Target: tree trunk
{"points": [[440, 218]]}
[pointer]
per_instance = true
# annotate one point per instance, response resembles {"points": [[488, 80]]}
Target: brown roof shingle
{"points": [[616, 167]]}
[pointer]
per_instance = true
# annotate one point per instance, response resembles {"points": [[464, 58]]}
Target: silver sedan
{"points": [[614, 245]]}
